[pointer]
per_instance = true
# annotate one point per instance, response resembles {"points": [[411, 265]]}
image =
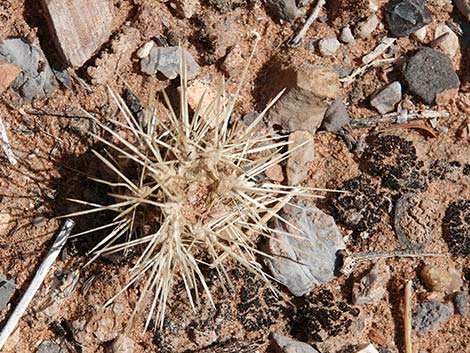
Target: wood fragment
{"points": [[393, 118], [363, 69], [6, 144], [407, 318], [36, 282], [79, 27], [298, 38]]}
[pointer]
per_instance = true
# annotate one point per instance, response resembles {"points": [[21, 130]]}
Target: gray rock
{"points": [[365, 28], [284, 9], [36, 79], [406, 16], [346, 35], [461, 302], [167, 61], [371, 288], [430, 315], [336, 117], [284, 344], [47, 346], [387, 98], [6, 290], [307, 258], [342, 71], [328, 46], [428, 73], [306, 99]]}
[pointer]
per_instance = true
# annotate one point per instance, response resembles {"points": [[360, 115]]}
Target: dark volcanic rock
{"points": [[406, 16], [428, 73]]}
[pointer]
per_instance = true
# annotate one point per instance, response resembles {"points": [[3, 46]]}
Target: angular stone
{"points": [[461, 302], [306, 258], [436, 278], [336, 117], [428, 73], [450, 44], [386, 99], [406, 16], [365, 28], [284, 9], [285, 344], [429, 315], [79, 27], [302, 153], [6, 291], [8, 73], [371, 288], [346, 35], [328, 46], [305, 101], [167, 61]]}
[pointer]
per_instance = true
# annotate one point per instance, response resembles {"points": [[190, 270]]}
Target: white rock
{"points": [[285, 344], [367, 349], [365, 28], [374, 5], [450, 44], [144, 51], [420, 34], [386, 99], [328, 46], [346, 35]]}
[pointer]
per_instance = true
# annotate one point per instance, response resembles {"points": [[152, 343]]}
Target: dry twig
{"points": [[6, 145], [297, 39], [394, 118], [407, 318]]}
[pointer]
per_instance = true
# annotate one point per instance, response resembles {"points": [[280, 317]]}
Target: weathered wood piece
{"points": [[79, 27]]}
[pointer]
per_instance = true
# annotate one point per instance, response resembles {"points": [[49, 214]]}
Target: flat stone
{"points": [[306, 99], [461, 302], [47, 346], [286, 10], [8, 73], [429, 315], [307, 258], [406, 16], [167, 61], [79, 27], [301, 145], [285, 344], [328, 46], [36, 79], [336, 117], [428, 73], [371, 288], [365, 28], [450, 44], [346, 35], [6, 291], [387, 98]]}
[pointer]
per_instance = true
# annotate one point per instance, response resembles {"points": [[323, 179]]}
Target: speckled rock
{"points": [[284, 344], [308, 258], [429, 315], [167, 61], [387, 98]]}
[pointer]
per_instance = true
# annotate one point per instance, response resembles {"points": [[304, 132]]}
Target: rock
{"points": [[284, 9], [47, 346], [307, 258], [406, 16], [461, 302], [144, 50], [445, 97], [387, 98], [428, 73], [110, 62], [342, 71], [450, 44], [4, 222], [368, 348], [436, 278], [328, 46], [233, 61], [371, 288], [148, 20], [346, 35], [122, 344], [187, 8], [336, 117], [420, 34], [274, 173], [250, 118], [8, 73], [429, 315], [374, 5], [202, 95], [365, 28], [6, 291], [285, 344], [305, 101], [79, 27], [301, 145], [167, 61]]}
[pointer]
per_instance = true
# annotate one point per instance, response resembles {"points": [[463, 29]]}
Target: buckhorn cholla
{"points": [[188, 190]]}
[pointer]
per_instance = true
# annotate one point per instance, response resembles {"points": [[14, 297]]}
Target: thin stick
{"points": [[407, 318], [6, 145], [295, 41], [36, 282], [393, 118]]}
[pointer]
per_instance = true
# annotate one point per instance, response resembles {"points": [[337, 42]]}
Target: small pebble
{"points": [[328, 46], [371, 288], [39, 221], [285, 344], [144, 51], [387, 98], [450, 44], [429, 315], [47, 346], [365, 28], [435, 278], [420, 34], [461, 302], [336, 117], [346, 35], [167, 61]]}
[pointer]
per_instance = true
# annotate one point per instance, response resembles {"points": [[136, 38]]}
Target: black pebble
{"points": [[406, 16]]}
